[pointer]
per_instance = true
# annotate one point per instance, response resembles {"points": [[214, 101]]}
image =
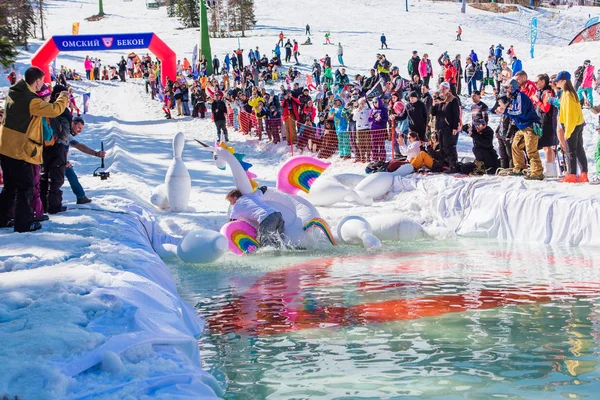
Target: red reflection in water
{"points": [[280, 301]]}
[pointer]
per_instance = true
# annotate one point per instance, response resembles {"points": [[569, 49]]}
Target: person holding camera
{"points": [[486, 158], [446, 111], [21, 145]]}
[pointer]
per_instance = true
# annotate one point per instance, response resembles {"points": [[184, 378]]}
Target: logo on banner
{"points": [[108, 41]]}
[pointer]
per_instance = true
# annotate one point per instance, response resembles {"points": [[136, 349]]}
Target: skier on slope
{"points": [[383, 41], [341, 54], [459, 33]]}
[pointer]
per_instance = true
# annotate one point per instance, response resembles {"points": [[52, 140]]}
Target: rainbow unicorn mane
{"points": [[319, 223], [299, 173]]}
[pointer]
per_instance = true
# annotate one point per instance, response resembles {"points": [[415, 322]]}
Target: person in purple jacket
{"points": [[379, 121]]}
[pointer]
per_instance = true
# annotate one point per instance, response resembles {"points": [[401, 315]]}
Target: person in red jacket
{"points": [[290, 106], [296, 52], [527, 87], [450, 75]]}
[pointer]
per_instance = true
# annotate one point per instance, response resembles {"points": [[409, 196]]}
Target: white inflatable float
{"points": [[300, 216], [355, 188], [174, 194]]}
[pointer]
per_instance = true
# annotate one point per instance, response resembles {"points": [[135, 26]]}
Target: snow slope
{"points": [[90, 278]]}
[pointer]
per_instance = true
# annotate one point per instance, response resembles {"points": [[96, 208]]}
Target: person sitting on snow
{"points": [[252, 209], [486, 158]]}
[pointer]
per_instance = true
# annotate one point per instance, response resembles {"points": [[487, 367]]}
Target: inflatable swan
{"points": [[355, 188], [300, 216]]}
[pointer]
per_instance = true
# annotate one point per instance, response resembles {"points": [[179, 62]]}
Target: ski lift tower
{"points": [[204, 38]]}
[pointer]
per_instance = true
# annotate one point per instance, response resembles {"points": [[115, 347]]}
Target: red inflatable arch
{"points": [[127, 41]]}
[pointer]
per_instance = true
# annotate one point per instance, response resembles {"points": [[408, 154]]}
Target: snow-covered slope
{"points": [[91, 278]]}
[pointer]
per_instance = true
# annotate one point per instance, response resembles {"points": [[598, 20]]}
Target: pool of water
{"points": [[461, 319]]}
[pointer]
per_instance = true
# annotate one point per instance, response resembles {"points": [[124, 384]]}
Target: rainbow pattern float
{"points": [[300, 216]]}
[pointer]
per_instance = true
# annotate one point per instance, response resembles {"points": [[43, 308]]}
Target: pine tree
{"points": [[188, 13], [171, 8], [247, 19], [7, 52], [242, 15], [17, 21]]}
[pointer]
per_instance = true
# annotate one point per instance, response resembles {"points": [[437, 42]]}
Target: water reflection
{"points": [[486, 322]]}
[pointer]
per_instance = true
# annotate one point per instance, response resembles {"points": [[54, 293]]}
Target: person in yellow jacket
{"points": [[570, 129], [21, 146]]}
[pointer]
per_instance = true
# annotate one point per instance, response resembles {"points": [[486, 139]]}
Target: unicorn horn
{"points": [[205, 146]]}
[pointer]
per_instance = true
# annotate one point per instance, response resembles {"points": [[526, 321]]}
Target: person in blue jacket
{"points": [[341, 127], [256, 55], [516, 65], [383, 41], [474, 57], [227, 62], [277, 51], [498, 52], [522, 111]]}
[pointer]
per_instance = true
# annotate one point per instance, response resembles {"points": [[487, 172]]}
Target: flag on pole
{"points": [[86, 102], [195, 62], [534, 33], [376, 91], [53, 69]]}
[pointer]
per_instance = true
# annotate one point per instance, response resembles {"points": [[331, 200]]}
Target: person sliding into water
{"points": [[252, 209]]}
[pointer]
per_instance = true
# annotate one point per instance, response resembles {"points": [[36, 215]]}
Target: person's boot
{"points": [[84, 200], [479, 168], [9, 223], [34, 226], [583, 178], [551, 169], [538, 177], [569, 178], [41, 218], [61, 209]]}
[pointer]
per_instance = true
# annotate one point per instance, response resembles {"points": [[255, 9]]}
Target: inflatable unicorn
{"points": [[356, 188], [300, 216]]}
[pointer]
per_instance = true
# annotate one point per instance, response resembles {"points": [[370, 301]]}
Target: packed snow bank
{"points": [[89, 310], [504, 208]]}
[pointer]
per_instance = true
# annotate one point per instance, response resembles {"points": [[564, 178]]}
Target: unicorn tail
{"points": [[320, 224]]}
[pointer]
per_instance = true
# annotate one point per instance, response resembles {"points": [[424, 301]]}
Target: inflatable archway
{"points": [[590, 33], [126, 41]]}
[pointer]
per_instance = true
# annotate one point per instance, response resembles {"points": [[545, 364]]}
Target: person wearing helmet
{"points": [[521, 110]]}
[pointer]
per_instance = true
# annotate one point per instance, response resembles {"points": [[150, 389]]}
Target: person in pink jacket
{"points": [[588, 83], [425, 69], [87, 64]]}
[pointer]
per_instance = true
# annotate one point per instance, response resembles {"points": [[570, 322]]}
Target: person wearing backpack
{"points": [[587, 84], [578, 75]]}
